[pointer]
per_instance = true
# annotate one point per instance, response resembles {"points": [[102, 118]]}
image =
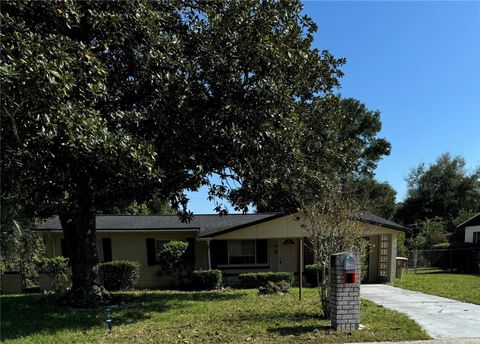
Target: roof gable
{"points": [[473, 221]]}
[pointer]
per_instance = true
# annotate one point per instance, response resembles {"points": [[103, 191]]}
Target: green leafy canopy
{"points": [[125, 99], [444, 189]]}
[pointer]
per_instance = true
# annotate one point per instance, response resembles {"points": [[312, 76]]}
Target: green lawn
{"points": [[463, 287], [197, 317]]}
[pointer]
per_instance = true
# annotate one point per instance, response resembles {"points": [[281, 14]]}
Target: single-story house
{"points": [[472, 229], [234, 243]]}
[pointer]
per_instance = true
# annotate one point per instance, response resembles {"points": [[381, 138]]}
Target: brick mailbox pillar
{"points": [[345, 291]]}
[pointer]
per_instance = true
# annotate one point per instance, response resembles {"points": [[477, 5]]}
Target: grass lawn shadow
{"points": [[436, 271], [223, 316], [28, 315]]}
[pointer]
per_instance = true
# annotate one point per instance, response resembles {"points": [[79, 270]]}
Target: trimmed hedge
{"points": [[311, 274], [261, 279], [206, 279], [119, 274], [52, 266]]}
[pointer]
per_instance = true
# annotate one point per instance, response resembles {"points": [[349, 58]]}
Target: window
{"points": [[476, 237], [247, 252], [100, 251], [241, 252]]}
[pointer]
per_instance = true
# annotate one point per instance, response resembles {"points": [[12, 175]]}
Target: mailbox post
{"points": [[345, 291]]}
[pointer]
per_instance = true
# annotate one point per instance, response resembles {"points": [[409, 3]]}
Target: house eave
{"points": [[470, 221], [231, 229], [130, 230]]}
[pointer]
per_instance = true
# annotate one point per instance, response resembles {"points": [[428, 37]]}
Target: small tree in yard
{"points": [[57, 270], [331, 227], [20, 245], [416, 243], [434, 231]]}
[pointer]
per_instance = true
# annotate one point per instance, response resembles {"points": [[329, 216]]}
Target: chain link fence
{"points": [[452, 259]]}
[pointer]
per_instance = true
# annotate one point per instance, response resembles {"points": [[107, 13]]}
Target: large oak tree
{"points": [[108, 102]]}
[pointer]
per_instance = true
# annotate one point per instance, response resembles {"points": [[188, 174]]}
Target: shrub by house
{"points": [[53, 273], [119, 274], [206, 279]]}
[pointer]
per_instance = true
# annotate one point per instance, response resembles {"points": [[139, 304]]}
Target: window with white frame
{"points": [[247, 252]]}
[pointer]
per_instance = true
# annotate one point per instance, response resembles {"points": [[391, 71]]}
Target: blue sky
{"points": [[416, 62]]}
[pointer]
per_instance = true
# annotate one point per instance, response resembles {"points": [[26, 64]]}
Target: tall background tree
{"points": [[342, 143], [107, 103], [373, 196], [444, 191]]}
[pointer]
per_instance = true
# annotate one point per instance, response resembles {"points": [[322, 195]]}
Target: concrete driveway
{"points": [[440, 317], [433, 341]]}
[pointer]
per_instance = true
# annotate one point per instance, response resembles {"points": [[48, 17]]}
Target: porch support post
{"points": [[209, 257], [300, 270]]}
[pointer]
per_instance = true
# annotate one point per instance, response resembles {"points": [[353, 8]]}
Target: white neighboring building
{"points": [[472, 229]]}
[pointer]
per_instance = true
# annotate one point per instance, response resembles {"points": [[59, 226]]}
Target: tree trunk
{"points": [[79, 229], [323, 286], [325, 292]]}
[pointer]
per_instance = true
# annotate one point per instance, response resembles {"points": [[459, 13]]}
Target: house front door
{"points": [[287, 255]]}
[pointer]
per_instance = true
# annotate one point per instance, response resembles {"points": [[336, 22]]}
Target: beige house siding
{"points": [[287, 227], [283, 254], [132, 246], [283, 227], [373, 259], [273, 254]]}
